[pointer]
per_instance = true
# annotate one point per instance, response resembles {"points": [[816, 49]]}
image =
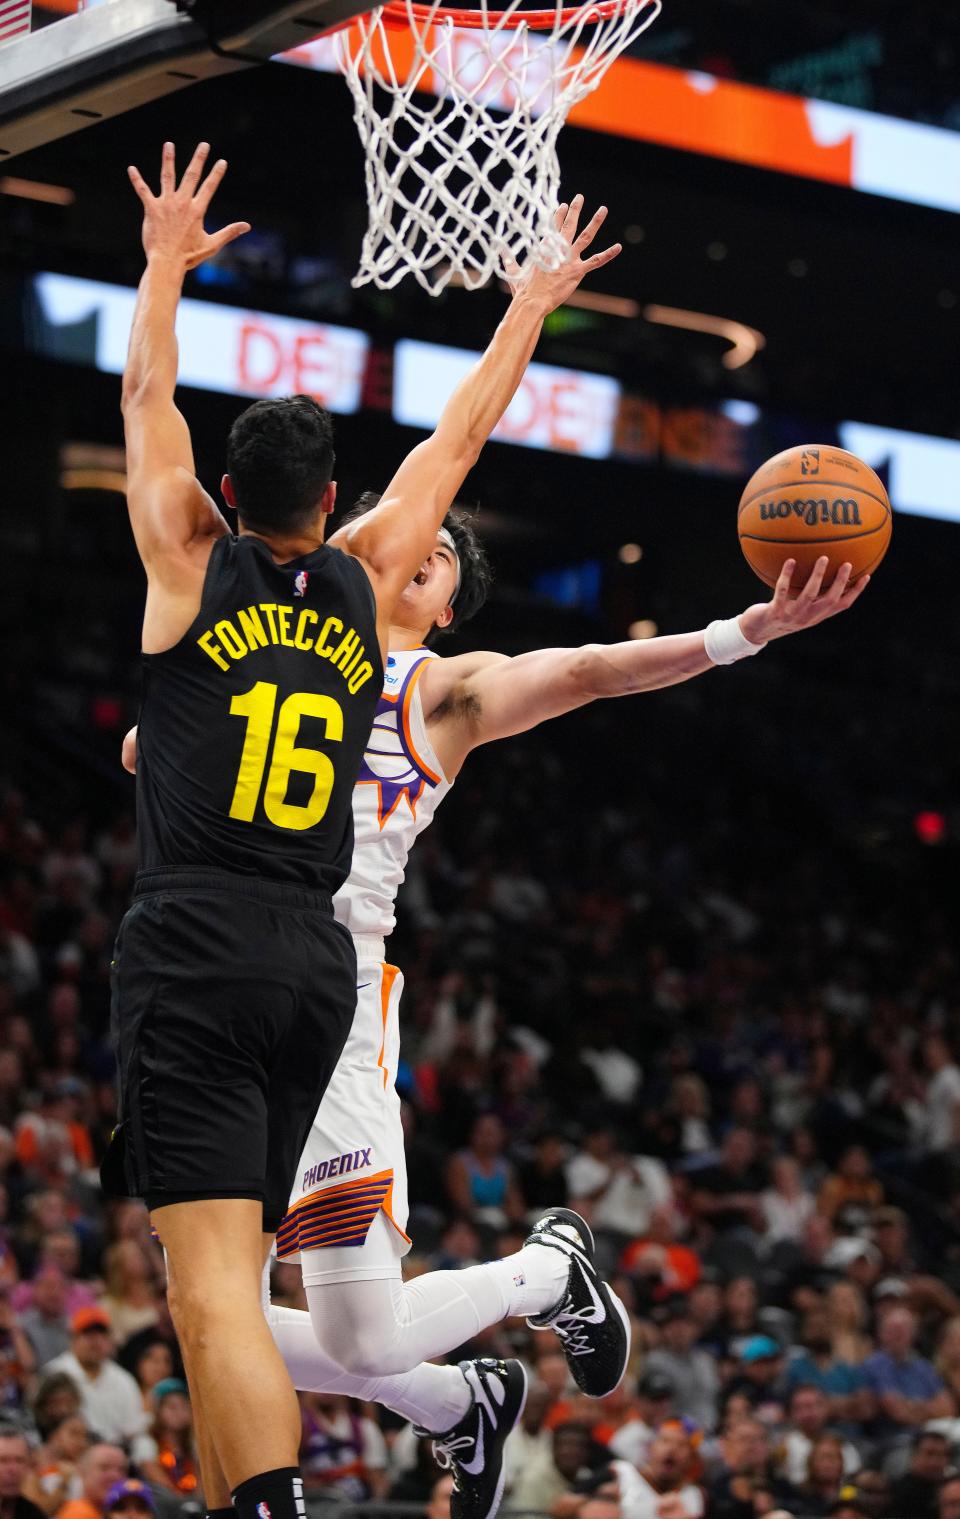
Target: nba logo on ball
{"points": [[263, 1511], [810, 461], [299, 589]]}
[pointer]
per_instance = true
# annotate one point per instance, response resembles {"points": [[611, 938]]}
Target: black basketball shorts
{"points": [[232, 1001]]}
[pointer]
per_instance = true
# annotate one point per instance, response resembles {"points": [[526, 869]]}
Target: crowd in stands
{"points": [[730, 1044]]}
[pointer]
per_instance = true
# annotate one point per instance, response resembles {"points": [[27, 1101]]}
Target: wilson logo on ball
{"points": [[841, 512]]}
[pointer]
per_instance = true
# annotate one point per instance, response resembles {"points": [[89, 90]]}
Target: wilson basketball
{"points": [[811, 501]]}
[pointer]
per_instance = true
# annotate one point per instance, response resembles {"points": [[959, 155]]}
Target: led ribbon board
{"points": [[699, 113]]}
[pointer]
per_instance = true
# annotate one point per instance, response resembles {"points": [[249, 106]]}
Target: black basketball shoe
{"points": [[473, 1449], [590, 1320]]}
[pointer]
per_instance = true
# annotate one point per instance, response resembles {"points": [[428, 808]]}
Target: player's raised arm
{"points": [[497, 696], [168, 506], [395, 538]]}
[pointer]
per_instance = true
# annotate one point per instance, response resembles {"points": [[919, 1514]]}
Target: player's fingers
{"points": [[229, 234], [191, 175], [560, 215], [782, 588], [168, 169], [840, 582], [140, 184], [854, 592], [599, 259], [209, 187], [569, 227], [591, 229], [811, 590]]}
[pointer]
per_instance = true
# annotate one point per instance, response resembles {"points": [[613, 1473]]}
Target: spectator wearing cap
{"points": [[176, 1467], [916, 1492], [102, 1467], [814, 1364], [692, 1372], [131, 1496], [905, 1384], [948, 1499], [45, 1321], [14, 1470], [808, 1418], [759, 1374], [654, 1401], [110, 1399]]}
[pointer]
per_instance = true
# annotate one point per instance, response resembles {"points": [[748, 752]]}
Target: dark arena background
{"points": [[685, 961]]}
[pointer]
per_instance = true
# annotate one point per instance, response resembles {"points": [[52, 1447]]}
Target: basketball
{"points": [[810, 501]]}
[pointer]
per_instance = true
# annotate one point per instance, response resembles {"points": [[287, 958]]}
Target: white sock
{"points": [[435, 1397], [528, 1283]]}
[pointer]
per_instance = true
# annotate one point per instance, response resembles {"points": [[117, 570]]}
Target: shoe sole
{"points": [[498, 1495], [628, 1334]]}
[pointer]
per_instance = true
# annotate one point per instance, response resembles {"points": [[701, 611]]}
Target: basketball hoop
{"points": [[460, 185]]}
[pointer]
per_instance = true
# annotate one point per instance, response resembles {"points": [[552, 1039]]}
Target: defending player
{"points": [[348, 1212], [263, 664]]}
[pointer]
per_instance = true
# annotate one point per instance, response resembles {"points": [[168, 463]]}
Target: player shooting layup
{"points": [[348, 1212], [263, 664]]}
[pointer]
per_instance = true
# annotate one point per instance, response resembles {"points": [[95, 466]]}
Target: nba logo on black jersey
{"points": [[810, 461], [300, 583]]}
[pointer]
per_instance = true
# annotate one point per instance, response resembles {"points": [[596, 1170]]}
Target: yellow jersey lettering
{"points": [[322, 648], [359, 677], [252, 628], [230, 638], [343, 653], [284, 615], [308, 615], [209, 647], [268, 608], [352, 663]]}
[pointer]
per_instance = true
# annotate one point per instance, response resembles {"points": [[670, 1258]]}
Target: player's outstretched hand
{"points": [[789, 613], [551, 287], [173, 220]]}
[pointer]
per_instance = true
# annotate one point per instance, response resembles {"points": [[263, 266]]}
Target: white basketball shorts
{"points": [[353, 1167]]}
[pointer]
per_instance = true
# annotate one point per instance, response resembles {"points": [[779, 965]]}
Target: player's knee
{"points": [[358, 1346]]}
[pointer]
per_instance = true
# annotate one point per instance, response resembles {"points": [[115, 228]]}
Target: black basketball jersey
{"points": [[253, 726]]}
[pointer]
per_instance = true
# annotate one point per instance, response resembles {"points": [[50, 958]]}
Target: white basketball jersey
{"points": [[398, 790]]}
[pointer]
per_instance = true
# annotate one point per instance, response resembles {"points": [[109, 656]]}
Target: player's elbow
{"points": [[591, 676]]}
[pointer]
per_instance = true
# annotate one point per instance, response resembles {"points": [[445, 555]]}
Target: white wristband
{"points": [[725, 642]]}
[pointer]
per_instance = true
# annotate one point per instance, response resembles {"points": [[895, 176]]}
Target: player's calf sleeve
{"points": [[435, 1397]]}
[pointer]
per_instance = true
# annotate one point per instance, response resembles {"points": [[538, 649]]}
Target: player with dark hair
{"points": [[348, 1213], [264, 655]]}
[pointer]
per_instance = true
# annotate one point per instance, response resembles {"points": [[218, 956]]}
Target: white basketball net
{"points": [[458, 183]]}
